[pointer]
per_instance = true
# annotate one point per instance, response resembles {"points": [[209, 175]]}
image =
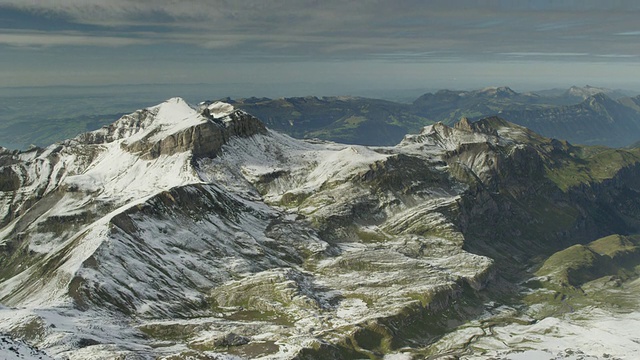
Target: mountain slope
{"points": [[180, 231], [596, 120]]}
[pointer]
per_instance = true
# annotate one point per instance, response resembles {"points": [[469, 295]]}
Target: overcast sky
{"points": [[325, 44]]}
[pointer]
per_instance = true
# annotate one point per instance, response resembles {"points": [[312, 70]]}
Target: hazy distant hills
{"points": [[449, 106], [584, 115], [577, 114], [598, 120], [352, 120], [576, 94]]}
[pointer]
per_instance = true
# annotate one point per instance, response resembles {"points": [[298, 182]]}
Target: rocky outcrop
{"points": [[9, 180], [204, 140], [147, 132], [517, 188], [123, 128]]}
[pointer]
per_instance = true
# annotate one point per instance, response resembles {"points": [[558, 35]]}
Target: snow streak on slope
{"points": [[101, 181], [156, 122], [439, 137], [296, 166], [11, 349]]}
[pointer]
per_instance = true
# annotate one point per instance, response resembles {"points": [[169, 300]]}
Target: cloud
{"points": [[45, 39], [402, 30], [561, 55], [543, 54], [617, 56]]}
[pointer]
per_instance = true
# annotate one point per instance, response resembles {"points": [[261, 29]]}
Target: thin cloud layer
{"points": [[337, 28], [45, 39]]}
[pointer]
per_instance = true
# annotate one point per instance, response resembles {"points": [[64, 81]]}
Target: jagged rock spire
{"points": [[463, 124]]}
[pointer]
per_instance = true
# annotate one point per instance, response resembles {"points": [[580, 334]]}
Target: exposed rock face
{"points": [[207, 139], [209, 131], [9, 180], [463, 124], [167, 129]]}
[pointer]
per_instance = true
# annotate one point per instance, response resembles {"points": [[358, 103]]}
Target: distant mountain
{"points": [[358, 120], [449, 106], [588, 91], [368, 121], [596, 119], [352, 120], [631, 102], [576, 94]]}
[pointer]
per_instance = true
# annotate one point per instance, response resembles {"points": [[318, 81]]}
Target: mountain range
{"points": [[565, 114], [586, 115], [197, 232]]}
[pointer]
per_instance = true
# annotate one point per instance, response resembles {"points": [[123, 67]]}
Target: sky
{"points": [[321, 46]]}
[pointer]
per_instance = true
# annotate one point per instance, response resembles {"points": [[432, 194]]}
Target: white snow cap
{"points": [[220, 109]]}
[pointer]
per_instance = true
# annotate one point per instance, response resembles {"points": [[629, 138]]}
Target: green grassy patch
{"points": [[578, 264], [615, 245], [586, 275], [353, 121], [170, 332], [591, 165], [370, 235], [572, 266], [255, 349], [291, 199], [33, 330]]}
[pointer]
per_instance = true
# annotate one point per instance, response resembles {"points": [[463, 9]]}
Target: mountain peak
{"points": [[500, 91], [440, 136], [216, 109], [587, 91], [171, 111], [175, 126], [598, 99], [150, 124], [463, 124]]}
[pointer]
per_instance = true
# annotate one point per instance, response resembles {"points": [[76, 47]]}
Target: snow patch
{"points": [[398, 356], [220, 109]]}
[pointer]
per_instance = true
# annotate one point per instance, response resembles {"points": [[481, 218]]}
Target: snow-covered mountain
{"points": [[183, 231], [144, 221], [587, 91]]}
